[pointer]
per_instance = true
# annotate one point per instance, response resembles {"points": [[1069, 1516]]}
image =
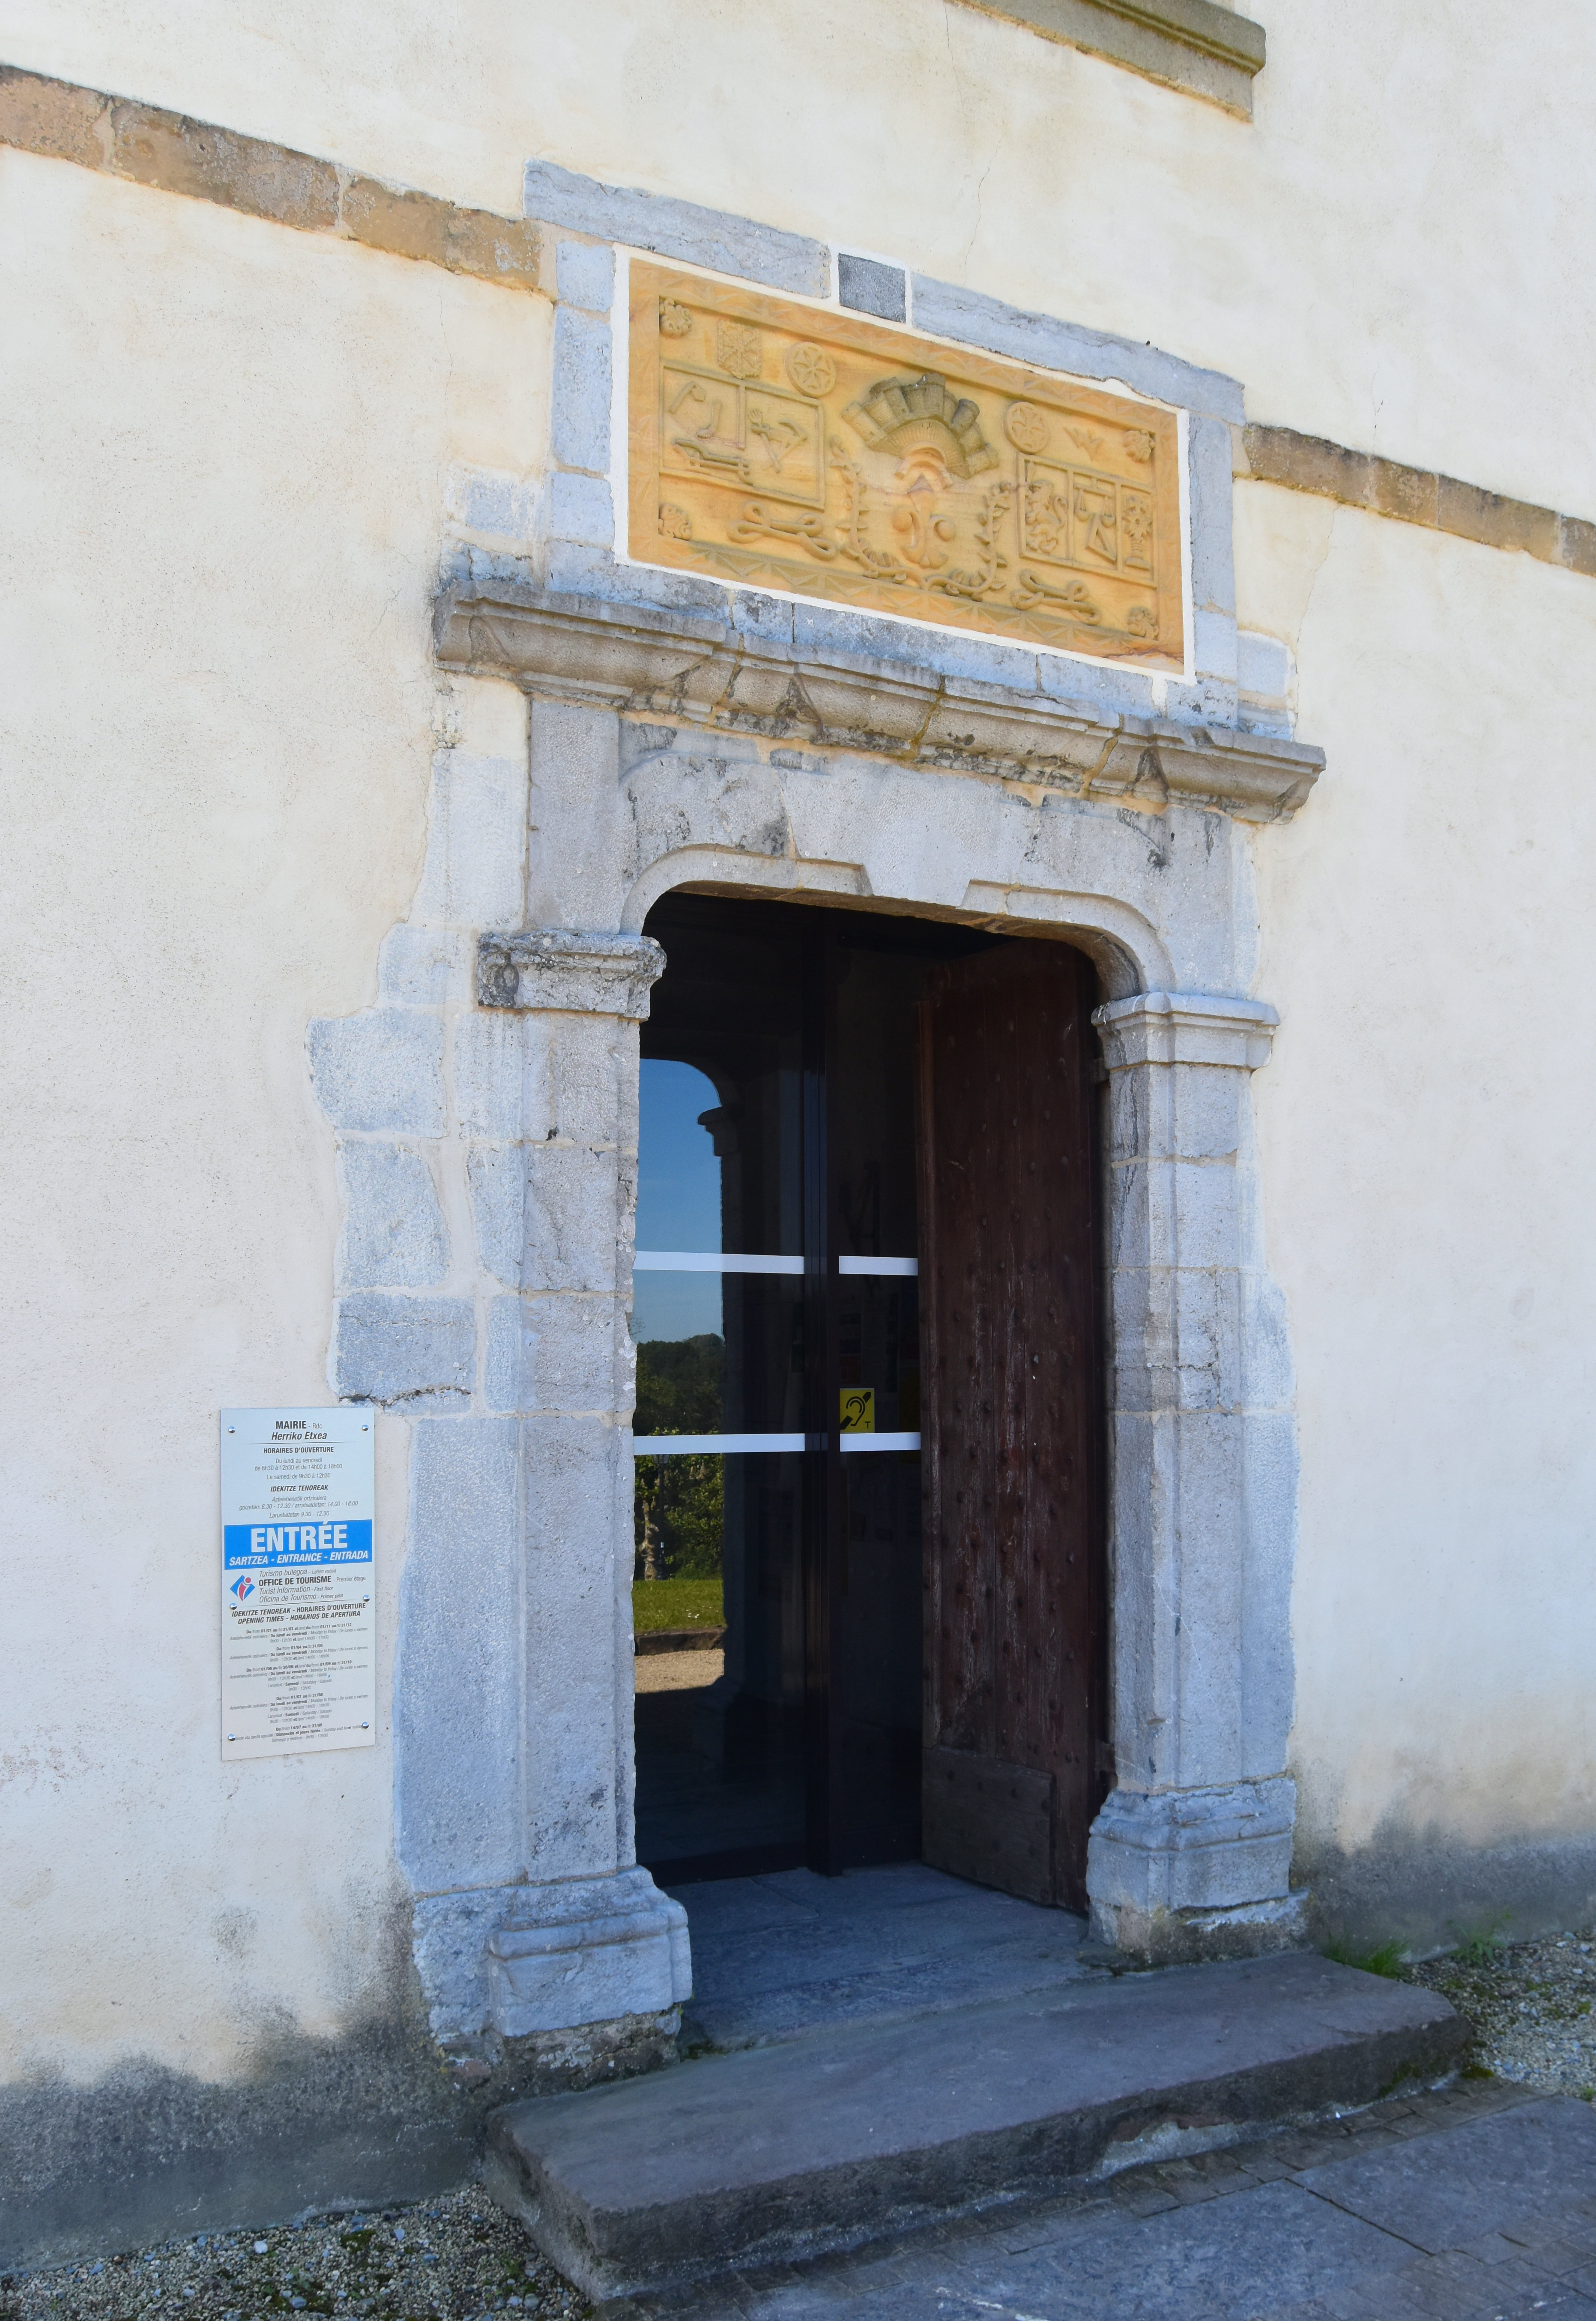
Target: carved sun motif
{"points": [[674, 522], [1027, 426], [1138, 444], [737, 350], [812, 370], [674, 319]]}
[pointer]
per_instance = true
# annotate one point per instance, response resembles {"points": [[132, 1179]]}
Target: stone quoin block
{"points": [[497, 1177], [475, 871], [579, 508], [717, 239], [580, 417], [414, 966], [394, 1234], [381, 1070], [1211, 479], [412, 1354], [585, 273], [555, 1353], [456, 1683]]}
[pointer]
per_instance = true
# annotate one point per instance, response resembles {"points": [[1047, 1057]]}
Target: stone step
{"points": [[852, 2132]]}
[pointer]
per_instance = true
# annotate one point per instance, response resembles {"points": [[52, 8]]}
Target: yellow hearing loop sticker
{"points": [[858, 1409]]}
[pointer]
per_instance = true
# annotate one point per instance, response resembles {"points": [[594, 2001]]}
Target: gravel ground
{"points": [[445, 2260], [1531, 2007]]}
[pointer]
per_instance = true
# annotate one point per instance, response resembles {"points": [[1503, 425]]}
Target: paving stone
{"points": [[1487, 2174]]}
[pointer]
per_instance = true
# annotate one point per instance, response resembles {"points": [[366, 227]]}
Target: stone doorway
{"points": [[811, 1687]]}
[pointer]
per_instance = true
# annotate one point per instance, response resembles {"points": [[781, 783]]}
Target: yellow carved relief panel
{"points": [[786, 446]]}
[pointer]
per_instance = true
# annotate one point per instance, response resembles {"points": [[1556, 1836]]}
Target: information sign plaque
{"points": [[298, 1604]]}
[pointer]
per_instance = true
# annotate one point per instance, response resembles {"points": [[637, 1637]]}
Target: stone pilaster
{"points": [[1191, 1855], [585, 1936]]}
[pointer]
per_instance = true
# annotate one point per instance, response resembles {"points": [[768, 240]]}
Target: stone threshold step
{"points": [[851, 2132]]}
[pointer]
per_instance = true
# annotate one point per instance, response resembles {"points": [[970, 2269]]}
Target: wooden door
{"points": [[1011, 1421]]}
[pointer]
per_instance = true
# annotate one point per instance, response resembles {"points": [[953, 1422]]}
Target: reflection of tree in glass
{"points": [[678, 1502]]}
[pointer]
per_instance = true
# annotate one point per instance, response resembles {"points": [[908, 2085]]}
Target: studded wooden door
{"points": [[1012, 1421]]}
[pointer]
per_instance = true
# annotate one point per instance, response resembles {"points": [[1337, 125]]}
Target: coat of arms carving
{"points": [[789, 447]]}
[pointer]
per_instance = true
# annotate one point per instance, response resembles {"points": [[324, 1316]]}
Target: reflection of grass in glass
{"points": [[677, 1603], [678, 1504]]}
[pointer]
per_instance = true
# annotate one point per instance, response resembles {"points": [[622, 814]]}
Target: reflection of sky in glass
{"points": [[674, 1306], [678, 1200]]}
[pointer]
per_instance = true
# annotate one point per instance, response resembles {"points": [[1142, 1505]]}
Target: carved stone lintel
{"points": [[683, 669], [556, 968]]}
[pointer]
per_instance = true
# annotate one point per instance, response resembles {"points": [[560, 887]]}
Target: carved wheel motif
{"points": [[1026, 426], [811, 371]]}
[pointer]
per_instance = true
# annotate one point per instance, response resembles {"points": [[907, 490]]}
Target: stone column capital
{"points": [[1185, 1027], [559, 968]]}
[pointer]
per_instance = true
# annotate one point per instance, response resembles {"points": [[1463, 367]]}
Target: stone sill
{"points": [[1186, 44]]}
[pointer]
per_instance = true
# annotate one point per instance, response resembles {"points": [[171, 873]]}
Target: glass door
{"points": [[778, 1587]]}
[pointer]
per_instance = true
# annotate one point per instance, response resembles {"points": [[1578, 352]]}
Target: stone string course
{"points": [[1362, 479], [148, 146], [174, 155]]}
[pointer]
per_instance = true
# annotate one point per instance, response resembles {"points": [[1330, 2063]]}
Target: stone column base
{"points": [[587, 1950], [1183, 1874]]}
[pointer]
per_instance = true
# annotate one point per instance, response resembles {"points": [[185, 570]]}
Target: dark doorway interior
{"points": [[814, 1081]]}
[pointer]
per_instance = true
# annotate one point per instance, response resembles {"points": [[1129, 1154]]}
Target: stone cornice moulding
{"points": [[1191, 45], [682, 668], [1185, 1027], [559, 969]]}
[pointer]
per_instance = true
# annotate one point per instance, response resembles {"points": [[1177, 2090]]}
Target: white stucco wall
{"points": [[1383, 255], [225, 451], [1423, 1133], [227, 463]]}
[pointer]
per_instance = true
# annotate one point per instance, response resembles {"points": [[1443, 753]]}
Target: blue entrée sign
{"points": [[247, 1544]]}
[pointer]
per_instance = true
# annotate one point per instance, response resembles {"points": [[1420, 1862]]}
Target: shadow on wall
{"points": [[374, 2115], [1427, 1892]]}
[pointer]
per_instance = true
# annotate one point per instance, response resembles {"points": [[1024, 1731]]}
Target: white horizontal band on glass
{"points": [[711, 1261], [710, 1446], [878, 1443], [906, 1265]]}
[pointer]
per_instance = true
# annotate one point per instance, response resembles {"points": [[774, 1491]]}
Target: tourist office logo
{"points": [[298, 1629]]}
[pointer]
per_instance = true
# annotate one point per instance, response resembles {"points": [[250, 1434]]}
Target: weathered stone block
{"points": [[573, 1211], [418, 226], [380, 1070], [393, 1233], [580, 415], [413, 1354], [1578, 546], [416, 965], [578, 508], [588, 1951], [180, 156], [497, 1177], [456, 1679], [585, 274], [1212, 484], [1495, 521], [486, 499], [556, 1353], [1263, 665], [501, 1086], [675, 228], [952, 311], [54, 117], [475, 871]]}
